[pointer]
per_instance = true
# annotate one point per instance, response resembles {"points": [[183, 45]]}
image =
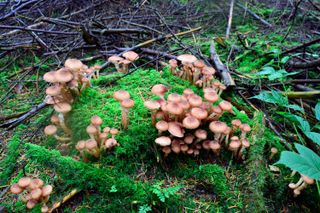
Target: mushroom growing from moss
{"points": [[51, 130], [126, 104], [63, 109], [274, 151], [163, 141], [153, 106], [217, 127]]}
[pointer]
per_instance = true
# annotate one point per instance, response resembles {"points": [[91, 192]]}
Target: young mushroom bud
{"points": [[126, 104], [166, 150], [96, 121], [51, 130], [114, 132], [234, 146], [31, 204], [153, 106], [92, 148], [92, 132], [81, 145], [159, 90], [215, 147], [245, 128], [274, 151], [110, 143], [173, 65], [236, 123]]}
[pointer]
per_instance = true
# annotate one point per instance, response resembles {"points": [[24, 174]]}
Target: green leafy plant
{"points": [[275, 97], [273, 74], [305, 162], [163, 193], [144, 209]]}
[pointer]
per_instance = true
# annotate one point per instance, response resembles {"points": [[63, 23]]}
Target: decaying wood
{"points": [[254, 15], [220, 67], [230, 19]]}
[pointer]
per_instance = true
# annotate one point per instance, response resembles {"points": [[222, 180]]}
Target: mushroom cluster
{"points": [[188, 123], [32, 191], [195, 71], [126, 103], [302, 183], [66, 83], [122, 63], [99, 139]]}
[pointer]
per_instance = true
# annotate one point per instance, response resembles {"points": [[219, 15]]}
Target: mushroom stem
{"points": [[295, 185], [124, 113], [62, 139], [63, 125]]}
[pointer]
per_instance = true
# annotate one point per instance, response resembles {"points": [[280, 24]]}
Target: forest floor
{"points": [[135, 176]]}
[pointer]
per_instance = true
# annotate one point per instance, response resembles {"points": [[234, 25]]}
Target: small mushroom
{"points": [[51, 130], [126, 104]]}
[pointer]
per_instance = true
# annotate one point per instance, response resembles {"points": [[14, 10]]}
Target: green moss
{"points": [[10, 162]]}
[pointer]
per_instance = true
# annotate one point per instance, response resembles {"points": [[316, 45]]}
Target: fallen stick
{"points": [[254, 15], [65, 199], [230, 19], [220, 67], [143, 44], [303, 95], [300, 46]]}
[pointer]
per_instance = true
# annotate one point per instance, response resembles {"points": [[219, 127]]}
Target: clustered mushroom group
{"points": [[188, 123], [32, 191], [126, 103], [122, 63], [66, 83], [302, 183], [195, 71], [99, 139]]}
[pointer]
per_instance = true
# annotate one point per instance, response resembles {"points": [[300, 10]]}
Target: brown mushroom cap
{"points": [[96, 120], [24, 182], [103, 136], [127, 103], [234, 138], [195, 100], [50, 77], [73, 64], [81, 145], [211, 96], [173, 63], [166, 150], [245, 128], [63, 75], [44, 209], [174, 97], [187, 58], [217, 126], [62, 107], [163, 141], [16, 189], [36, 193], [36, 183], [110, 143], [50, 130], [174, 108], [307, 179], [184, 147], [201, 134], [91, 129], [191, 122], [188, 92], [130, 55], [199, 113], [175, 146], [214, 145], [188, 139], [115, 59], [121, 95], [245, 143], [31, 203], [162, 126], [274, 150], [106, 129], [199, 64], [91, 144], [225, 106], [206, 144], [236, 122], [234, 145], [175, 129], [208, 70], [54, 119], [184, 104], [216, 109], [46, 190], [152, 105], [159, 89], [53, 90], [208, 89], [114, 131]]}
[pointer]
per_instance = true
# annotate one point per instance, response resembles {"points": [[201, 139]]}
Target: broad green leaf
{"points": [[295, 107], [285, 59], [308, 154], [303, 124], [266, 71], [298, 163], [314, 136], [275, 76], [266, 97], [281, 100], [317, 109]]}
